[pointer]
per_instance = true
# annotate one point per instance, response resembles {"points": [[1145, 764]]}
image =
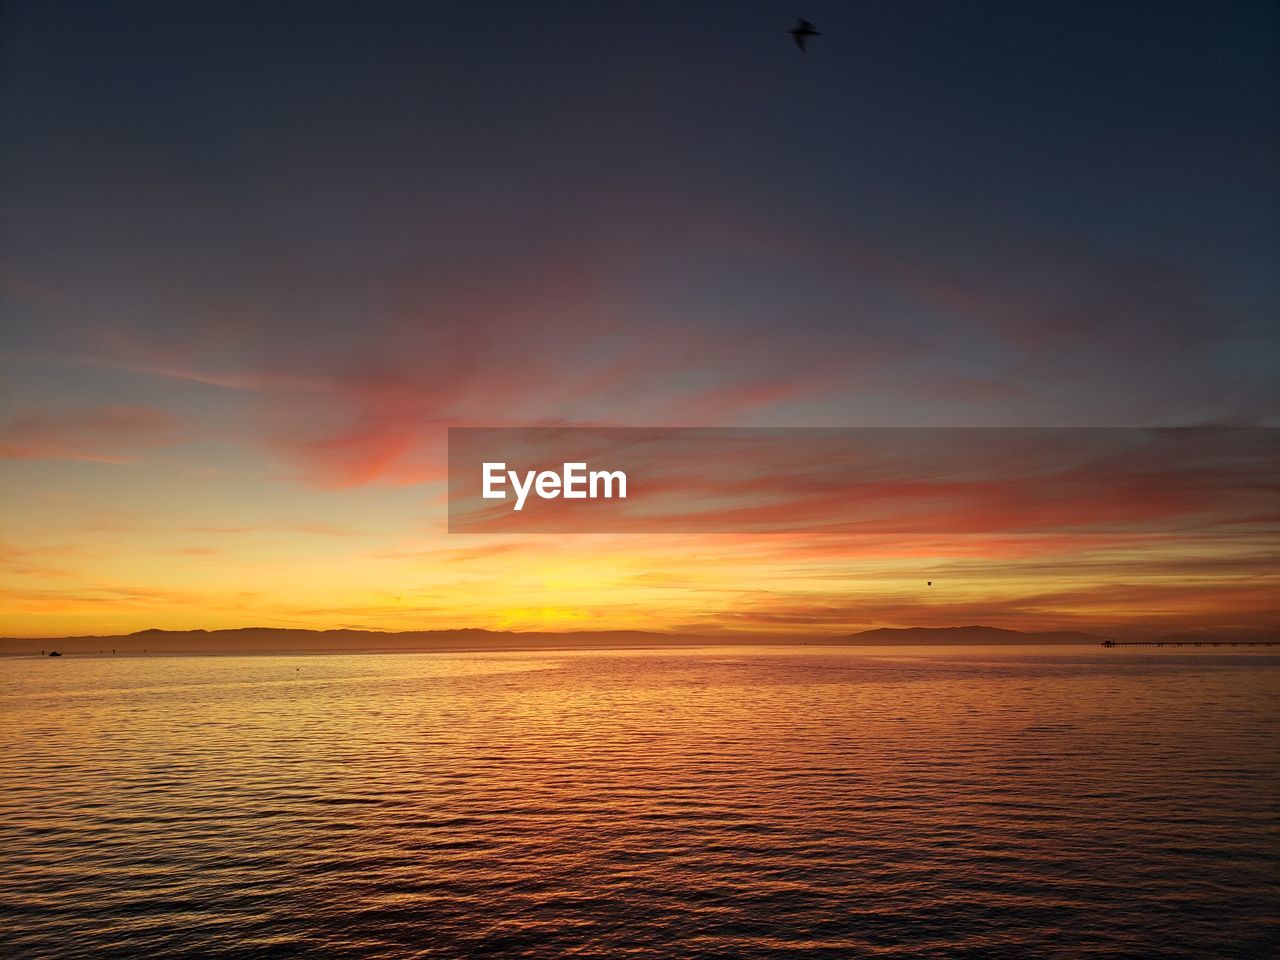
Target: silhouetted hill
{"points": [[973, 634], [284, 640]]}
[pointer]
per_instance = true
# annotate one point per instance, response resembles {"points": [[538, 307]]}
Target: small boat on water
{"points": [[54, 653]]}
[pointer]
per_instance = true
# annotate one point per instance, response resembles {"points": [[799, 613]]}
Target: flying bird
{"points": [[931, 583], [801, 33]]}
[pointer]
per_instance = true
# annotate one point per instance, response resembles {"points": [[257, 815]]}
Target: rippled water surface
{"points": [[688, 803]]}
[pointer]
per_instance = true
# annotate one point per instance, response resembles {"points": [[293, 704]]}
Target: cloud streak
{"points": [[107, 434]]}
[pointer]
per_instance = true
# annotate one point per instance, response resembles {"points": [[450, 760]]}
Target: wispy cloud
{"points": [[257, 381], [101, 435]]}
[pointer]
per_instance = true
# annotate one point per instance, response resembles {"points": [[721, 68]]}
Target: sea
{"points": [[714, 802]]}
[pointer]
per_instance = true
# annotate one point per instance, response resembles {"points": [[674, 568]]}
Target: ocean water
{"points": [[729, 803]]}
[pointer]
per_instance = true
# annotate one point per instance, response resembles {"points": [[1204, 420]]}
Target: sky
{"points": [[256, 258]]}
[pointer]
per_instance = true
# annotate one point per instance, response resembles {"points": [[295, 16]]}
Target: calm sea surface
{"points": [[692, 803]]}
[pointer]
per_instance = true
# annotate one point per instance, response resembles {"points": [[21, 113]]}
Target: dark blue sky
{"points": [[942, 213]]}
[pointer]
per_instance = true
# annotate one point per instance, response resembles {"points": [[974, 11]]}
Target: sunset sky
{"points": [[257, 258]]}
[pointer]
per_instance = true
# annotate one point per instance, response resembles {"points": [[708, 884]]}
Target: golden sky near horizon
{"points": [[118, 547]]}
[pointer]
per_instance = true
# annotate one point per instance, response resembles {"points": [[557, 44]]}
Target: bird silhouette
{"points": [[801, 33], [931, 583]]}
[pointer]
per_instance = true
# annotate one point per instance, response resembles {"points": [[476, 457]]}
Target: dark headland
{"points": [[275, 640]]}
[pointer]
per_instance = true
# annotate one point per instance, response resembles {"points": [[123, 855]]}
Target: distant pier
{"points": [[1191, 643]]}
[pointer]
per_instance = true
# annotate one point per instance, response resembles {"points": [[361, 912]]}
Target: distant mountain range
{"points": [[277, 640], [284, 640], [998, 635], [972, 634]]}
